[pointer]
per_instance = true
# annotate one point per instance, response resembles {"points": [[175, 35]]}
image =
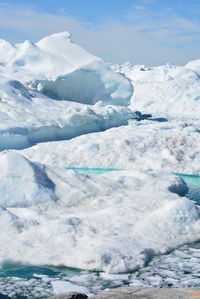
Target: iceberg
{"points": [[62, 108], [166, 91], [28, 117], [58, 68]]}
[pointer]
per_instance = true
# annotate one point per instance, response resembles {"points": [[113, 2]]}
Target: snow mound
{"points": [[112, 222], [23, 183], [63, 70], [28, 117], [169, 91]]}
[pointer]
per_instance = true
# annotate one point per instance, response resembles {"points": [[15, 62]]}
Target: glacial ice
{"points": [[97, 222], [171, 146], [60, 287], [166, 91], [194, 66], [28, 117], [51, 93], [58, 68], [23, 183]]}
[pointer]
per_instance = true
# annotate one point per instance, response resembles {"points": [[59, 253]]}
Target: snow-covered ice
{"points": [[172, 146], [171, 91], [60, 287], [62, 107], [27, 117], [63, 70], [23, 183], [96, 222]]}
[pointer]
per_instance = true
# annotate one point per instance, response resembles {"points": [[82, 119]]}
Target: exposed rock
{"points": [[148, 293], [71, 295], [137, 293]]}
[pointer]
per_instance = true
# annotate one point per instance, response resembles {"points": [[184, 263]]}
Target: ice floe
{"points": [[178, 269]]}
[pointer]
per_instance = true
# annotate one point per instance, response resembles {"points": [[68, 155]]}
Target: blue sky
{"points": [[147, 32]]}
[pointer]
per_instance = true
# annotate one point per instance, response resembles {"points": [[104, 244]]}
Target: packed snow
{"points": [[90, 158]]}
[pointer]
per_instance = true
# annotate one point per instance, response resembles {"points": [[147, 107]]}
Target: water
{"points": [[23, 271], [21, 281], [193, 182], [180, 268], [93, 170]]}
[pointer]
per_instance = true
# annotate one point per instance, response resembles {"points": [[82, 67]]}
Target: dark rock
{"points": [[72, 295], [146, 115]]}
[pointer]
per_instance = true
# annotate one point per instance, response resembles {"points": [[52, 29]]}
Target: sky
{"points": [[150, 32]]}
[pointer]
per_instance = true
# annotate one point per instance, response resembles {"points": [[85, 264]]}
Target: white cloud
{"points": [[28, 20], [145, 36], [139, 7], [62, 10]]}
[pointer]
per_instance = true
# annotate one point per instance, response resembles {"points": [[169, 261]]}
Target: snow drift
{"points": [[58, 68]]}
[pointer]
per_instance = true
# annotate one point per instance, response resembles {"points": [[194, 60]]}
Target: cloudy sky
{"points": [[147, 32]]}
